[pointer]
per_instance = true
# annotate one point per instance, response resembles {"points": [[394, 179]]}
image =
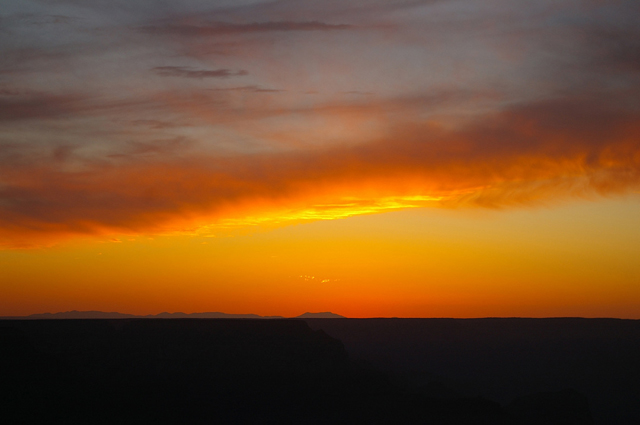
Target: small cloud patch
{"points": [[188, 72]]}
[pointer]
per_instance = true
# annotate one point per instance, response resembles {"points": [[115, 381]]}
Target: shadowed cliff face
{"points": [[166, 370], [217, 371], [505, 359], [197, 349]]}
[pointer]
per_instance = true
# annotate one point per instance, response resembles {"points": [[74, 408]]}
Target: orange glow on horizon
{"points": [[420, 263], [410, 159]]}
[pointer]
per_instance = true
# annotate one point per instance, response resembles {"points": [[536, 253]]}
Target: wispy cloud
{"points": [[254, 89], [524, 155], [187, 72], [227, 28], [21, 106], [447, 103]]}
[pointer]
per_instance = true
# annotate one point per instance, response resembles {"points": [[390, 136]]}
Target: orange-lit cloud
{"points": [[520, 156], [200, 118]]}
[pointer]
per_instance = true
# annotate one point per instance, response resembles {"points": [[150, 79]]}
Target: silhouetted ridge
{"points": [[164, 315], [209, 371], [74, 314], [113, 315], [323, 315]]}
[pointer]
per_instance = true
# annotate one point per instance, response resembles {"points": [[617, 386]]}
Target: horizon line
{"points": [[254, 316]]}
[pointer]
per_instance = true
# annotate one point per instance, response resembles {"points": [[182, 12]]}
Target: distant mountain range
{"points": [[210, 315], [325, 315]]}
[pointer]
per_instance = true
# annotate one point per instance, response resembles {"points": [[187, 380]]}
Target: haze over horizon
{"points": [[74, 314], [429, 158], [93, 314]]}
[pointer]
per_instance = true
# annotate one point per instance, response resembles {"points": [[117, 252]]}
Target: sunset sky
{"points": [[436, 158]]}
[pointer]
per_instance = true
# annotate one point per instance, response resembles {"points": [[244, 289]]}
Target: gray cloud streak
{"points": [[188, 72], [224, 28]]}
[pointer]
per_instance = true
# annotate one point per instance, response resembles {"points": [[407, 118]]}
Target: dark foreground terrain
{"points": [[216, 371], [512, 361]]}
